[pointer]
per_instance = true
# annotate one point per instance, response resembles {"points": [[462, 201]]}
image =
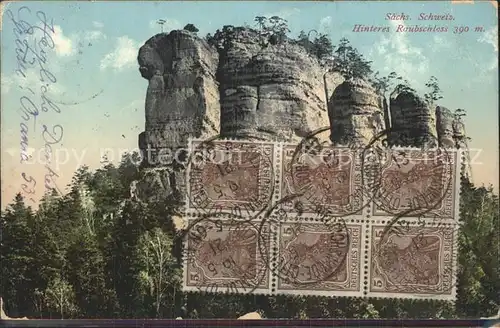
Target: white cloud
{"points": [[440, 43], [491, 37], [94, 35], [63, 44], [283, 13], [97, 24], [168, 25], [123, 56], [396, 53], [31, 81], [325, 24]]}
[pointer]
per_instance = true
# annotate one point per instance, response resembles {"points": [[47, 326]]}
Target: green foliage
{"points": [[126, 265], [191, 28], [349, 62], [383, 84], [320, 47], [478, 255], [404, 86], [434, 92]]}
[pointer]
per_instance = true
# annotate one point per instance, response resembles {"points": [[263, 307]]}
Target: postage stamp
{"points": [[329, 178], [223, 256], [412, 261], [317, 258], [419, 183], [230, 176]]}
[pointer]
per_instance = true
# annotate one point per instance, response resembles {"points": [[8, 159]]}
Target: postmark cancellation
{"points": [[412, 261], [329, 178], [419, 183], [230, 176], [321, 259], [226, 256]]}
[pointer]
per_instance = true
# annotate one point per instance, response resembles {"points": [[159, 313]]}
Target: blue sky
{"points": [[101, 94]]}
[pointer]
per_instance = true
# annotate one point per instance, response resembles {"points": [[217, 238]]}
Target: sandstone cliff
{"points": [[413, 121], [244, 89], [239, 85], [356, 113]]}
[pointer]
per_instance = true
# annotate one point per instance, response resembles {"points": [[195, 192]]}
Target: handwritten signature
{"points": [[33, 45]]}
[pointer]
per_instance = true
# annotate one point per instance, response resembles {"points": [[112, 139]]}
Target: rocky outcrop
{"points": [[158, 184], [270, 92], [444, 126], [241, 87], [450, 128], [356, 113], [182, 98], [413, 121], [459, 133], [238, 84], [247, 88]]}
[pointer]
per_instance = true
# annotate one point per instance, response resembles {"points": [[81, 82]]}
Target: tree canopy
{"points": [[191, 28]]}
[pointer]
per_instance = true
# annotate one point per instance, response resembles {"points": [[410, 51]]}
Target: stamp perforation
{"points": [[351, 265], [234, 193], [450, 197], [262, 274], [415, 228]]}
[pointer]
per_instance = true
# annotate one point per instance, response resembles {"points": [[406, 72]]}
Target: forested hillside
{"points": [[93, 253]]}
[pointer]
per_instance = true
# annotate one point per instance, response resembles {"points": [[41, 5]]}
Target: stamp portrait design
{"points": [[224, 256], [420, 182], [330, 178], [413, 262], [317, 259], [230, 176]]}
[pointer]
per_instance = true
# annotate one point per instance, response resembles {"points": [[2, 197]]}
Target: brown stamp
{"points": [[318, 259], [226, 256], [329, 178], [230, 176], [417, 183], [413, 262]]}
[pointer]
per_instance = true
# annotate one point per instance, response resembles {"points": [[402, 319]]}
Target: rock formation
{"points": [[238, 84], [247, 88], [413, 121], [241, 88], [270, 92], [444, 124], [182, 98], [356, 113]]}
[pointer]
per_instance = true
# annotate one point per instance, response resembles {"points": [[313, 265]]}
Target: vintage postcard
{"points": [[290, 159]]}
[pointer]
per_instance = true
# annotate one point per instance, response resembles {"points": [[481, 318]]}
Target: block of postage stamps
{"points": [[271, 218]]}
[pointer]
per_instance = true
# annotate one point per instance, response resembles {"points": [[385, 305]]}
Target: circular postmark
{"points": [[338, 178], [416, 182], [305, 252], [311, 253], [235, 177], [414, 258], [223, 255]]}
